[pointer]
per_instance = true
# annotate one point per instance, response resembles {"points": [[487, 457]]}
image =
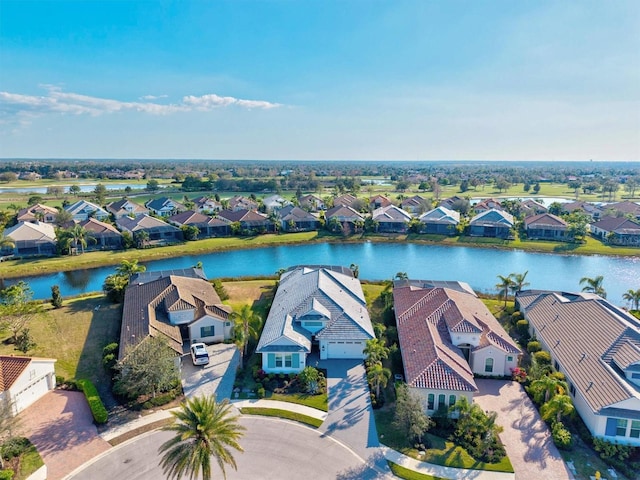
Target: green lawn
{"points": [[274, 412], [319, 402], [30, 461], [407, 474]]}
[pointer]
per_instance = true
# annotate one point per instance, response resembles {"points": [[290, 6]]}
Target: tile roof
{"points": [[545, 220], [343, 212], [10, 369], [161, 203], [618, 225], [625, 207], [97, 227], [34, 231], [345, 200], [425, 315], [84, 207], [125, 206], [391, 213], [189, 218], [296, 214], [322, 289], [415, 201], [588, 336], [29, 214], [381, 200], [493, 218], [441, 215], [242, 215], [146, 306], [143, 222]]}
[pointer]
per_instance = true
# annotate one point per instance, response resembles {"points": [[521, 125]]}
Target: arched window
{"points": [[441, 398], [452, 400], [488, 365], [430, 400]]}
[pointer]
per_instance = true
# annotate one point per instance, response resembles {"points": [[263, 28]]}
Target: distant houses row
{"points": [[165, 221]]}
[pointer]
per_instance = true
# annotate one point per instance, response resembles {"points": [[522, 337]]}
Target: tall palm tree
{"points": [[247, 324], [593, 285], [128, 268], [558, 406], [632, 296], [6, 243], [378, 376], [80, 236], [401, 276], [506, 283], [204, 428], [519, 281], [142, 238], [375, 351]]}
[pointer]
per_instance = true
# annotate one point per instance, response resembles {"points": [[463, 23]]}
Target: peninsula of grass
{"points": [[319, 402], [402, 472], [274, 412]]}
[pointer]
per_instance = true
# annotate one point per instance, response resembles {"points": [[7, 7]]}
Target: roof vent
{"points": [[584, 355]]}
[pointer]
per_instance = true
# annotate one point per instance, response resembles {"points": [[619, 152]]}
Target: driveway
{"points": [[61, 427], [350, 419], [526, 437], [215, 378], [273, 449]]}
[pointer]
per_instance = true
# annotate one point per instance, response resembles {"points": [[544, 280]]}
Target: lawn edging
{"points": [[286, 414]]}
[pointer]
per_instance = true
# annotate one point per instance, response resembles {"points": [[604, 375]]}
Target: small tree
{"points": [[56, 298], [17, 308], [375, 351], [309, 379], [410, 414], [25, 342], [378, 376]]}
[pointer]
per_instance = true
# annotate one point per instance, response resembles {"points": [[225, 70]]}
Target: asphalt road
{"points": [[273, 449]]}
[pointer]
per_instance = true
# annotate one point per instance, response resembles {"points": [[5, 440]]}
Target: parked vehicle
{"points": [[199, 354]]}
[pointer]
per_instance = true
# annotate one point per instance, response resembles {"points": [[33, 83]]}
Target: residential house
{"points": [[415, 205], [446, 335], [492, 223], [180, 306], [441, 221], [37, 213], [531, 207], [616, 231], [311, 203], [206, 205], [206, 225], [486, 205], [319, 308], [378, 201], [31, 238], [250, 221], [242, 203], [159, 232], [391, 219], [295, 219], [125, 207], [546, 226], [596, 345], [592, 210], [165, 207], [81, 210], [452, 201], [345, 216], [24, 380], [627, 208], [345, 200], [105, 235], [275, 203]]}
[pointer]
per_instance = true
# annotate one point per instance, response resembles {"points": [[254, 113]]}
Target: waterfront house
{"points": [[159, 232], [626, 208], [616, 231], [250, 221], [37, 213], [24, 380], [180, 306], [82, 209], [105, 236], [316, 308], [446, 336], [391, 219], [546, 226], [592, 210], [165, 207], [596, 346], [345, 216], [126, 207], [31, 238], [492, 223], [440, 220], [206, 225], [295, 219]]}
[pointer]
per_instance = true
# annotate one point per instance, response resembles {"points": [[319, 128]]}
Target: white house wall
{"points": [[36, 380], [221, 329], [461, 338], [423, 393], [302, 363], [500, 367]]}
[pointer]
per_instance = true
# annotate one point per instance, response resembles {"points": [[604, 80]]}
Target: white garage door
{"points": [[345, 349], [30, 394]]}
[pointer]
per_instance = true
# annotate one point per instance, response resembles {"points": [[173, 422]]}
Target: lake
{"points": [[86, 187], [378, 261]]}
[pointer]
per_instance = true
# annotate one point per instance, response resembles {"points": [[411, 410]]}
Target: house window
{"points": [[227, 324], [209, 331], [452, 400], [572, 389], [509, 358], [635, 376], [621, 427], [430, 400], [635, 429], [32, 374], [313, 324], [556, 365], [441, 401], [488, 365], [287, 361], [279, 360]]}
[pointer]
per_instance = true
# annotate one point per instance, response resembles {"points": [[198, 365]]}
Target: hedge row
{"points": [[95, 403]]}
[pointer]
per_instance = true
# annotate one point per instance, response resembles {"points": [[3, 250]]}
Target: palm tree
{"points": [[80, 235], [378, 376], [375, 351], [401, 276], [519, 281], [546, 387], [594, 285], [632, 296], [204, 428], [506, 283], [141, 237], [247, 324], [8, 243], [557, 407], [128, 268]]}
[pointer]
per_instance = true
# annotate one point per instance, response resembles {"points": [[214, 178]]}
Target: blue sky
{"points": [[428, 80]]}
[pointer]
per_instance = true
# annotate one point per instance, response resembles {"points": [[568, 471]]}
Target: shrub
{"points": [[522, 326], [14, 447], [98, 411], [160, 400], [220, 290], [109, 361], [534, 346], [611, 451], [261, 392], [6, 474], [111, 348], [542, 357], [561, 436], [558, 376], [515, 317]]}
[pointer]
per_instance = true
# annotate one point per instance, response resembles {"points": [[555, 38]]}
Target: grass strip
{"points": [[30, 461], [319, 402], [274, 412], [407, 474]]}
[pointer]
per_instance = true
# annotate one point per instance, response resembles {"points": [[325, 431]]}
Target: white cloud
{"points": [[13, 105]]}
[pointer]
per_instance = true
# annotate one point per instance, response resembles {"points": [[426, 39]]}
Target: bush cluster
{"points": [[561, 436], [14, 447], [98, 410], [6, 474], [161, 399]]}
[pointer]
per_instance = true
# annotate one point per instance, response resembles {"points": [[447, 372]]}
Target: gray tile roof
{"points": [[442, 215], [590, 339], [493, 218], [324, 289], [143, 222], [391, 214]]}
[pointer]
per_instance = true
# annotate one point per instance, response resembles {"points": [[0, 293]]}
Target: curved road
{"points": [[273, 449]]}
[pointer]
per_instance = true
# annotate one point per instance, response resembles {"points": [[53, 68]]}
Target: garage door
{"points": [[345, 349], [30, 394]]}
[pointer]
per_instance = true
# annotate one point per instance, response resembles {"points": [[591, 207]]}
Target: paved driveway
{"points": [[526, 437], [216, 378], [274, 449], [350, 419], [61, 427]]}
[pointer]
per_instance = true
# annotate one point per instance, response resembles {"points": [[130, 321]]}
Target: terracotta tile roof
{"points": [[243, 216], [618, 224], [545, 220], [189, 218], [98, 227], [10, 369], [345, 200], [30, 214], [588, 337]]}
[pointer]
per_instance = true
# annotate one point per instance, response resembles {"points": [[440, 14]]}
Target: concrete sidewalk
{"points": [[141, 421], [292, 407]]}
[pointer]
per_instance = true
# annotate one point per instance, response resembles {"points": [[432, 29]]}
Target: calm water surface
{"points": [[378, 261]]}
